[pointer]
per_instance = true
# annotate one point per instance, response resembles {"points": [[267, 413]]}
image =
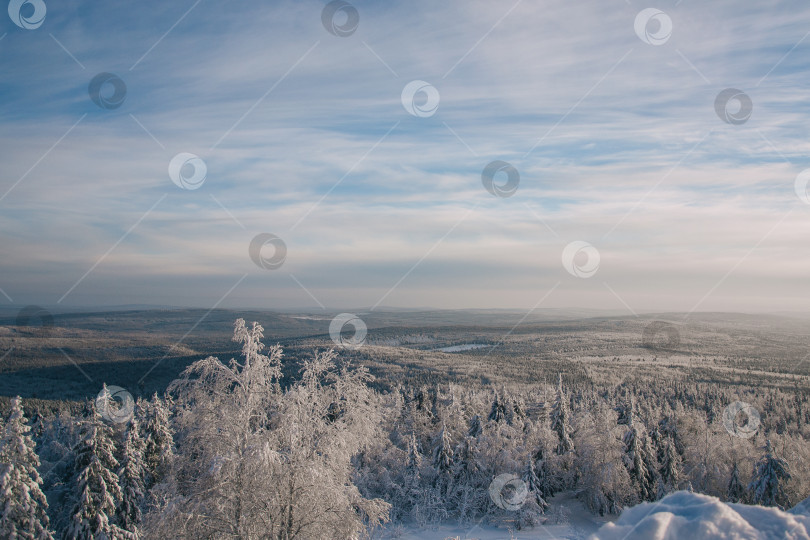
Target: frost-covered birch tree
{"points": [[258, 461]]}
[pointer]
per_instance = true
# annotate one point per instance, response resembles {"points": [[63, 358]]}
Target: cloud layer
{"points": [[304, 135]]}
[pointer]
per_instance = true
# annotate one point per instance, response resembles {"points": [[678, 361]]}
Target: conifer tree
{"points": [[475, 426], [96, 484], [498, 411], [159, 440], [414, 460], [639, 459], [413, 466], [469, 486], [131, 475], [770, 474], [735, 492], [23, 505], [535, 485], [626, 412], [543, 473], [520, 408], [670, 467], [443, 460], [560, 421], [421, 400], [465, 463]]}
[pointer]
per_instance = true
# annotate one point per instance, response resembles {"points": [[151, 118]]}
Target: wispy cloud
{"points": [[609, 131]]}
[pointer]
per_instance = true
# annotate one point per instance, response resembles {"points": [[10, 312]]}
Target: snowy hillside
{"points": [[700, 517]]}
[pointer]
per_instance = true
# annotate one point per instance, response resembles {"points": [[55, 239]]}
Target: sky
{"points": [[631, 188]]}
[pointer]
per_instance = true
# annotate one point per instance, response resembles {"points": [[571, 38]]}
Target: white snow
{"points": [[465, 347], [700, 517], [567, 519], [803, 508]]}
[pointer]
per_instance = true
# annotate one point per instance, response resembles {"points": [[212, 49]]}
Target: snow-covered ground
{"points": [[701, 517], [680, 515], [577, 524], [465, 347]]}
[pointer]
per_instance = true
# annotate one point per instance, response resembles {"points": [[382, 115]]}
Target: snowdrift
{"points": [[700, 517], [803, 508]]}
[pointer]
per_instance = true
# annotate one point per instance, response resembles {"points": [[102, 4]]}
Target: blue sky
{"points": [[304, 135]]}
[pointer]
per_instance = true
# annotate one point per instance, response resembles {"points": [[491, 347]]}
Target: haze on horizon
{"points": [[304, 135]]}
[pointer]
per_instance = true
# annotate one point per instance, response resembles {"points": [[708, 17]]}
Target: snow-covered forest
{"points": [[234, 450]]}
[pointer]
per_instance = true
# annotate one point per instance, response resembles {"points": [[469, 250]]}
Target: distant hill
{"points": [[145, 349]]}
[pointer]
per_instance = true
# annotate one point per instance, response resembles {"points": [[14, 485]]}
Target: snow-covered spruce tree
{"points": [[468, 492], [425, 505], [640, 461], [96, 489], [422, 401], [131, 476], [535, 485], [497, 412], [475, 426], [257, 461], [668, 428], [658, 442], [55, 451], [670, 470], [508, 408], [443, 461], [560, 420], [767, 484], [23, 505], [435, 401], [453, 413], [519, 407], [534, 506], [736, 490], [158, 439], [543, 472], [413, 472], [626, 412]]}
